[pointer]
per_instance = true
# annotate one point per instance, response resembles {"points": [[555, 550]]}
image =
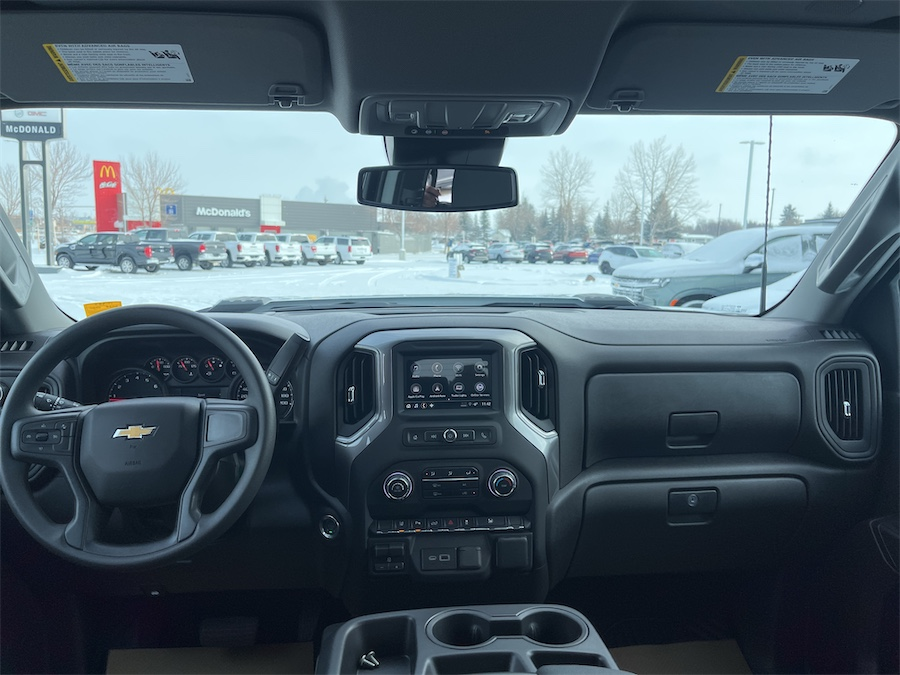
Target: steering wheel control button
{"points": [[398, 486], [450, 435], [502, 483], [329, 527]]}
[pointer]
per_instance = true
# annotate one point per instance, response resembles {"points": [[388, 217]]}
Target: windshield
{"points": [[620, 180]]}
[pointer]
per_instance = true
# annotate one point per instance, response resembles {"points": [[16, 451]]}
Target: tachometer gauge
{"points": [[135, 383], [284, 400], [185, 369], [159, 366], [212, 368]]}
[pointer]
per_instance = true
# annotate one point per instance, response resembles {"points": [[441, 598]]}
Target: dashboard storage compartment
{"points": [[653, 527], [460, 640], [675, 414]]}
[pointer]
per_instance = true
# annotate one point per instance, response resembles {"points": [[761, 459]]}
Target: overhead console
{"points": [[449, 475]]}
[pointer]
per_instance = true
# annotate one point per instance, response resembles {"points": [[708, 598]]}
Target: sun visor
{"points": [[771, 69], [159, 58]]}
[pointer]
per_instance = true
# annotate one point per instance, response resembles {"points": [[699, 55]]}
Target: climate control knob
{"points": [[398, 486], [502, 483]]}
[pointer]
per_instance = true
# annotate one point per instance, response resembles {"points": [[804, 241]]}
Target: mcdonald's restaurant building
{"points": [[192, 213]]}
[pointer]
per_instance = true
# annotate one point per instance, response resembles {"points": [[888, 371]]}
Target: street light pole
{"points": [[749, 174]]}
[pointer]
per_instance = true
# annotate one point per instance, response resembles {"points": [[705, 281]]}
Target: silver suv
{"points": [[727, 264], [352, 249]]}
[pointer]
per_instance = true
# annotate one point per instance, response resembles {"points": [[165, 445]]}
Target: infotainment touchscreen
{"points": [[448, 382]]}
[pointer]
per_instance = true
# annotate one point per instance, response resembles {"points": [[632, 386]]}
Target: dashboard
{"points": [[492, 454]]}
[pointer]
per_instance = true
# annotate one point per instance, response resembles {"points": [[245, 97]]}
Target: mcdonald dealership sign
{"points": [[107, 188]]}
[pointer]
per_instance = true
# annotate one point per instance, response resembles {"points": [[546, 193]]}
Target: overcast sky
{"points": [[309, 156]]}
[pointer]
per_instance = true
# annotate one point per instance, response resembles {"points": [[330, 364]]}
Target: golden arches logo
{"points": [[165, 191], [108, 171]]}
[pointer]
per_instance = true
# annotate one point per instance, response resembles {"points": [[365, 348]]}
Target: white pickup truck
{"points": [[286, 253], [249, 253], [311, 251]]}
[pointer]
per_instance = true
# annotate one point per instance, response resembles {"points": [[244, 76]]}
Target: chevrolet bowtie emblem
{"points": [[134, 432]]}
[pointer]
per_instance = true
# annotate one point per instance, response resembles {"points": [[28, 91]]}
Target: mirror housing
{"points": [[752, 262], [438, 188]]}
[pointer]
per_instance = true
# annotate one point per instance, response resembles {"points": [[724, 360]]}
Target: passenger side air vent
{"points": [[356, 392], [843, 403], [537, 393], [16, 345], [848, 406]]}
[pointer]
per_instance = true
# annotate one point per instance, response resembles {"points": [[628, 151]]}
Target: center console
{"points": [[450, 477], [543, 639]]}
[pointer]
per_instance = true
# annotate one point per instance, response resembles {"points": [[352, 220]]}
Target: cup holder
{"points": [[551, 627]]}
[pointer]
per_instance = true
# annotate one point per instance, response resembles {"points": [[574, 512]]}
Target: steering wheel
{"points": [[135, 453]]}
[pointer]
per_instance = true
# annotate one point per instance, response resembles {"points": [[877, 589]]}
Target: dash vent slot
{"points": [[538, 387], [356, 392]]}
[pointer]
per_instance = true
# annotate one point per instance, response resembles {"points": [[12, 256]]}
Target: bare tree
{"points": [[659, 170], [144, 179], [68, 169], [10, 195], [567, 181]]}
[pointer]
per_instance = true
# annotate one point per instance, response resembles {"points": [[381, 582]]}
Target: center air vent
{"points": [[848, 406], [356, 392], [537, 387]]}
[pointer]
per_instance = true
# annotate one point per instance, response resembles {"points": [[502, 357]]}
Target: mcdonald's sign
{"points": [[107, 188]]}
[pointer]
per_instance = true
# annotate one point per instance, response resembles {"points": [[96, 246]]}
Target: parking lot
{"points": [[382, 275]]}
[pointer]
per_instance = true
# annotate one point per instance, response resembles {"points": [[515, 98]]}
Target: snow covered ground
{"points": [[383, 275]]}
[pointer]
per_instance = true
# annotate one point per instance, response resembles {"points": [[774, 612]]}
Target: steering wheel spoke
{"points": [[228, 427], [47, 438]]}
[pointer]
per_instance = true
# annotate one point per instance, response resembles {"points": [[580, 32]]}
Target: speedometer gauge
{"points": [[135, 383], [284, 400]]}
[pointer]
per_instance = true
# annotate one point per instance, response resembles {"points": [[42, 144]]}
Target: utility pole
{"points": [[749, 174]]}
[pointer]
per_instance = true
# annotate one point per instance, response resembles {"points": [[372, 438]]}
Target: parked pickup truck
{"points": [[248, 253], [310, 251], [122, 249], [188, 252], [285, 253]]}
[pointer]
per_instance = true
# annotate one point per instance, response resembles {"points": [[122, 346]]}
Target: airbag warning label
{"points": [[121, 63], [784, 75]]}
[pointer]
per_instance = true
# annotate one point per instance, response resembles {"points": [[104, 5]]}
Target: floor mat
{"points": [[280, 658], [701, 658]]}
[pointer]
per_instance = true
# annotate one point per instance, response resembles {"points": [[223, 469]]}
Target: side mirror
{"points": [[752, 262], [438, 188]]}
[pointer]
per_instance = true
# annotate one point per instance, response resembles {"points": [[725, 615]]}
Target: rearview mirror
{"points": [[444, 188]]}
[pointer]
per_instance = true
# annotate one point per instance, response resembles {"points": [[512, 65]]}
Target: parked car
{"points": [[348, 249], [278, 252], [311, 250], [569, 253], [678, 249], [614, 257], [747, 301], [188, 252], [540, 251], [247, 253], [594, 254], [121, 249], [505, 252], [470, 252], [731, 262]]}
